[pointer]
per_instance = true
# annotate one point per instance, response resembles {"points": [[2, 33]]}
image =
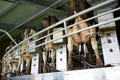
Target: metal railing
{"points": [[5, 58], [1, 30]]}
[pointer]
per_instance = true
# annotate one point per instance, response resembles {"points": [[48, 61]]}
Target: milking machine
{"points": [[83, 55]]}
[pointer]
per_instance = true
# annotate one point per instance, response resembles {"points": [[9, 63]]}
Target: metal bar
{"points": [[8, 36], [61, 3], [74, 25], [31, 18], [1, 30], [94, 17], [79, 23], [73, 16], [9, 8], [69, 27], [85, 11], [40, 38], [78, 14], [65, 28], [97, 25]]}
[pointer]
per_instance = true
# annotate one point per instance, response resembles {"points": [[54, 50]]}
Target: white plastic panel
{"points": [[110, 48], [105, 18], [61, 57], [35, 64], [56, 35], [31, 47]]}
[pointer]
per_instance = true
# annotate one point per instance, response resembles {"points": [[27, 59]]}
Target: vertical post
{"points": [[65, 28]]}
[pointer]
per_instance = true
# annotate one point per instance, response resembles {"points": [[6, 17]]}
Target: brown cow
{"points": [[26, 56], [74, 7], [49, 47]]}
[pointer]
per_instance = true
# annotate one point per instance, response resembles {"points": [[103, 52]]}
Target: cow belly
{"points": [[76, 37]]}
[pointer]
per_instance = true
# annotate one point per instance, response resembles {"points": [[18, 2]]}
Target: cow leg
{"points": [[44, 61], [4, 70], [95, 48], [53, 60], [70, 49], [15, 65], [19, 64], [27, 60]]}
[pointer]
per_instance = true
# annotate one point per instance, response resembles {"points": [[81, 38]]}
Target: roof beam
{"points": [[8, 8]]}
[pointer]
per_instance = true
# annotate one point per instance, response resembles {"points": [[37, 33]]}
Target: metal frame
{"points": [[1, 30], [93, 74], [71, 17]]}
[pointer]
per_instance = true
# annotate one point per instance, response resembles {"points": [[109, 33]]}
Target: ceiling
{"points": [[15, 15]]}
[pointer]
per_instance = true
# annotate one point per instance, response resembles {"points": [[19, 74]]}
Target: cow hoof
{"points": [[27, 71], [99, 62], [70, 67], [52, 68], [44, 70], [18, 73]]}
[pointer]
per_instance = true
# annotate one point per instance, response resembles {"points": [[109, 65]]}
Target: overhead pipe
{"points": [[1, 30]]}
